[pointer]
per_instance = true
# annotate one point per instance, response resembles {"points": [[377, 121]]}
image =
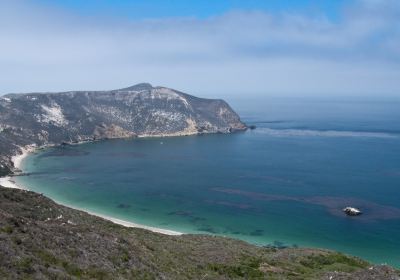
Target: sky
{"points": [[245, 48]]}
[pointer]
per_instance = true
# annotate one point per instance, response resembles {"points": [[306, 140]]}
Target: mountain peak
{"points": [[139, 87]]}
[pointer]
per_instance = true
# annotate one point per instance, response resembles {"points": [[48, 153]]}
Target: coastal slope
{"points": [[40, 239], [38, 119]]}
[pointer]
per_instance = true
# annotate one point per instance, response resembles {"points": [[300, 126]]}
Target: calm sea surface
{"points": [[283, 183]]}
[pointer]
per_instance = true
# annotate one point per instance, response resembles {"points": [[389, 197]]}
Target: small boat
{"points": [[351, 211]]}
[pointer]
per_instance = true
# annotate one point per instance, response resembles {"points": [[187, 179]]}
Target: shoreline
{"points": [[8, 182], [17, 159], [130, 224]]}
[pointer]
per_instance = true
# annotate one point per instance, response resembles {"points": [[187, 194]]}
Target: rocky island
{"points": [[352, 211], [42, 119]]}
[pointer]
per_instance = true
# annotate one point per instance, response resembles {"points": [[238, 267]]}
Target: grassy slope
{"points": [[40, 239]]}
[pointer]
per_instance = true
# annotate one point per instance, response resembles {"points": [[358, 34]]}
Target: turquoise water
{"points": [[284, 183]]}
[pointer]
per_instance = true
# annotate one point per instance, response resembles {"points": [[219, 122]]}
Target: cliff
{"points": [[39, 119]]}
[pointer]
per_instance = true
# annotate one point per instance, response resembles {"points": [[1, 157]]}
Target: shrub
{"points": [[7, 229]]}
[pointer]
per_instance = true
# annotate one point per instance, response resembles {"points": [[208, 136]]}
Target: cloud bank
{"points": [[244, 53]]}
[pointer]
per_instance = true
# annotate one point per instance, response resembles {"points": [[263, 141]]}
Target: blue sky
{"points": [[141, 9], [207, 48]]}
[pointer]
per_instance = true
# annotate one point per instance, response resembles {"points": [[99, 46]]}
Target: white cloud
{"points": [[44, 49]]}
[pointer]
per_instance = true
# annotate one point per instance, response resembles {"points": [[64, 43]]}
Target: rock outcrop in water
{"points": [[351, 211], [142, 110]]}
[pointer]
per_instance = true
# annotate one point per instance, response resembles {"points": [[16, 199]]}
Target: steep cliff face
{"points": [[141, 110]]}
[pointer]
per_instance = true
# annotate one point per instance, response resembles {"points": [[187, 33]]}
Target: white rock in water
{"points": [[351, 211]]}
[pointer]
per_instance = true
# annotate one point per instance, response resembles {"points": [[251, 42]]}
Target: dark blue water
{"points": [[284, 183]]}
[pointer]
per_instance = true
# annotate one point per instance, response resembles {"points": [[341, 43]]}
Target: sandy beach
{"points": [[17, 159], [130, 224], [9, 182]]}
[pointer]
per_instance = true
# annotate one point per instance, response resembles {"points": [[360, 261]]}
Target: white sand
{"points": [[130, 224], [17, 159], [8, 182]]}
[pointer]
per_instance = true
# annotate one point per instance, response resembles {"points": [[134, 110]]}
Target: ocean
{"points": [[282, 184]]}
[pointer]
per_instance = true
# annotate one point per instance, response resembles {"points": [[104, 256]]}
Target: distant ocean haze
{"points": [[282, 184]]}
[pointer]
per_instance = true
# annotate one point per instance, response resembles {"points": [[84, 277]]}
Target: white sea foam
{"points": [[322, 133]]}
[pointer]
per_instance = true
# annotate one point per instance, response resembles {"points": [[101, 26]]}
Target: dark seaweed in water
{"points": [[123, 206], [181, 213], [126, 155], [187, 214], [207, 228], [257, 232], [64, 152], [334, 205]]}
